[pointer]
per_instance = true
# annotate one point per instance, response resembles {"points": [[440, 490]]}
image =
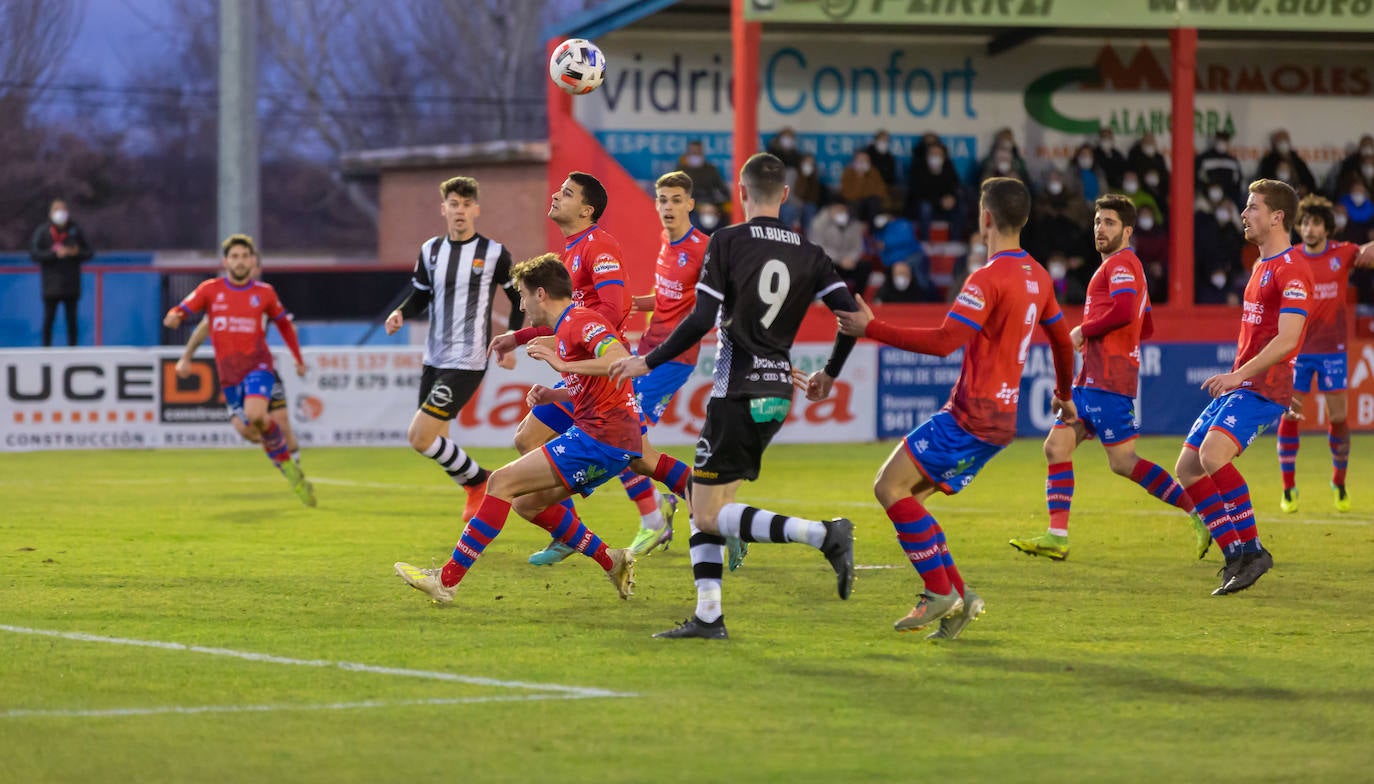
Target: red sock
{"points": [[1059, 496], [673, 473], [1338, 436], [477, 534]]}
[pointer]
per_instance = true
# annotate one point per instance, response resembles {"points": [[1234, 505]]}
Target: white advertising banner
{"points": [[132, 398]]}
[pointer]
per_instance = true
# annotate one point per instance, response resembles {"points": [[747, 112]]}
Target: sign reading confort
{"points": [[663, 91]]}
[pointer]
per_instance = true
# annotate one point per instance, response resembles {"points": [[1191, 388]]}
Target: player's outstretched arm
{"points": [[688, 332], [838, 298], [642, 303], [197, 339], [1364, 259], [293, 343], [936, 341], [600, 366]]}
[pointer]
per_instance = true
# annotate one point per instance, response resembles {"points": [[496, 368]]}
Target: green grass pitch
{"points": [[1115, 665]]}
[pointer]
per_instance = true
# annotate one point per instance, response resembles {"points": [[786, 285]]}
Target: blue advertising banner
{"points": [[911, 387]]}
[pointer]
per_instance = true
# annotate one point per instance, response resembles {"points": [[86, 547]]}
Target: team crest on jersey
{"points": [[591, 331], [577, 262], [682, 258], [562, 350], [972, 297], [1335, 264], [1122, 276], [605, 263], [478, 264], [1295, 290], [1266, 277], [253, 300]]}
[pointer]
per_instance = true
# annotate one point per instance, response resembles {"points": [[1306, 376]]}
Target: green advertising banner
{"points": [[1278, 15]]}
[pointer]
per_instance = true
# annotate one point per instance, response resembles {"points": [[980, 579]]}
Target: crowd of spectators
{"points": [[879, 218]]}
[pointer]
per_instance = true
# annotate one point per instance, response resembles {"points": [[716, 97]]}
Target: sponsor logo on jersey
{"points": [[440, 395], [591, 330], [1122, 276], [971, 297], [605, 263], [1295, 290], [219, 323], [1266, 277]]}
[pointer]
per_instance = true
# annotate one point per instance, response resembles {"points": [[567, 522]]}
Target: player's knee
{"points": [[497, 484], [1122, 465], [643, 466], [887, 492], [420, 441], [526, 437]]}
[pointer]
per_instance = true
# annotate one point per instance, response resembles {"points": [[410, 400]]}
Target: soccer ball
{"points": [[577, 66]]}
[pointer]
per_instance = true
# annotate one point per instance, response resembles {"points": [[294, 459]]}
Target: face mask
{"points": [[881, 146], [1215, 193], [1367, 149], [978, 256], [1106, 143], [1367, 169], [1218, 280], [1283, 148], [1148, 149], [1003, 166], [1283, 174], [935, 162], [1085, 162], [1055, 187], [900, 282], [1058, 270], [1221, 146], [1223, 215], [708, 220], [59, 217], [1130, 186], [787, 142], [695, 160], [1358, 199], [880, 221], [1152, 180], [860, 167], [842, 219], [808, 168], [1146, 222], [1340, 221]]}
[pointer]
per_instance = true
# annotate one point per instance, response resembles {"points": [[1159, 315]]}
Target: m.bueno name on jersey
{"points": [[775, 234]]}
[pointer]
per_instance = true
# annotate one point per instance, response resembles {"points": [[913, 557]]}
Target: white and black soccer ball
{"points": [[577, 66]]}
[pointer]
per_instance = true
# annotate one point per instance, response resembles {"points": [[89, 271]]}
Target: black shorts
{"points": [[444, 392], [736, 432], [278, 399]]}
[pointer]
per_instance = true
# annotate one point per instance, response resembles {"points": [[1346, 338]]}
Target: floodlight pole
{"points": [[1183, 45], [238, 209], [744, 38]]}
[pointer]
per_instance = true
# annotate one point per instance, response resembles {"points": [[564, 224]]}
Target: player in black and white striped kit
{"points": [[456, 277], [757, 282]]}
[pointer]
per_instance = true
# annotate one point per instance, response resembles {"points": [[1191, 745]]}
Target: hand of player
{"points": [[300, 369], [506, 362], [1076, 335], [1064, 410], [538, 396], [173, 318], [1222, 383], [394, 322], [502, 344], [183, 368], [817, 386], [1295, 409], [544, 352], [855, 323], [629, 367], [642, 303]]}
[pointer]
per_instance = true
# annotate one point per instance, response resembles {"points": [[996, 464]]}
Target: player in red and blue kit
{"points": [[236, 305], [993, 318], [1257, 390], [603, 439], [1323, 349], [1116, 316]]}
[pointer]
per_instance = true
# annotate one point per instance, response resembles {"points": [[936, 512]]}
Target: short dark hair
{"points": [[593, 193], [237, 239], [764, 175], [1008, 200], [675, 179], [465, 187], [1279, 196], [544, 272], [1122, 206], [1314, 206]]}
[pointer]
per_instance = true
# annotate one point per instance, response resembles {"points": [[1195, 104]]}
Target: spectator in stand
{"points": [[784, 146], [1217, 165], [1359, 212], [1157, 185], [1059, 229], [1350, 166], [933, 191], [1108, 158], [59, 247], [1282, 162], [975, 259], [805, 197], [1130, 185], [1004, 160], [708, 218], [1342, 223], [906, 268], [842, 239], [880, 155], [1145, 156], [708, 187], [1151, 243], [1218, 239], [863, 188], [1084, 175]]}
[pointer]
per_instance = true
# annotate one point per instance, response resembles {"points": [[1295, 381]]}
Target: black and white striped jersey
{"points": [[458, 280]]}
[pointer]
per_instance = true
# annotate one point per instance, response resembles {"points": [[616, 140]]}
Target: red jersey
{"points": [[1111, 362], [675, 290], [1279, 284], [593, 261], [1003, 301], [236, 325], [602, 408], [1326, 323]]}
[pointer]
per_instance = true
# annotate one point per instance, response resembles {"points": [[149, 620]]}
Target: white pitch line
{"points": [[196, 709], [576, 691]]}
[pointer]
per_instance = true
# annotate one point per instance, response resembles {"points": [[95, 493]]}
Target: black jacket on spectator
{"points": [[922, 185], [883, 163], [1301, 177], [1112, 162], [61, 276]]}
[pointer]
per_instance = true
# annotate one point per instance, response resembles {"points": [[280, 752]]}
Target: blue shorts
{"points": [[1328, 368], [1240, 415], [582, 462], [1107, 416], [655, 391], [946, 453], [258, 383], [557, 417]]}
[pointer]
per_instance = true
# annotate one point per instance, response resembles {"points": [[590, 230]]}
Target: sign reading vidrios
{"points": [[1053, 92], [1306, 15]]}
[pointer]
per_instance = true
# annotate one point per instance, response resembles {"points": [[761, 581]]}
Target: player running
{"points": [[758, 280], [1323, 350], [1116, 316], [993, 318], [602, 440], [236, 305], [1255, 392], [456, 278]]}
